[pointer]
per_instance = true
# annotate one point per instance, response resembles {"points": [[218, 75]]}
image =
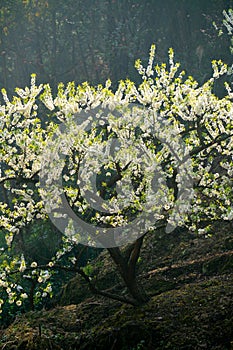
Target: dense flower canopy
{"points": [[191, 136]]}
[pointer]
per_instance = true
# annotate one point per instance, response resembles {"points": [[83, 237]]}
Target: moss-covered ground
{"points": [[189, 279]]}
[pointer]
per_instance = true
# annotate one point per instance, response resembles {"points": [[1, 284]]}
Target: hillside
{"points": [[189, 279]]}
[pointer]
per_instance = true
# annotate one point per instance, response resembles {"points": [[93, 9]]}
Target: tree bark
{"points": [[126, 264]]}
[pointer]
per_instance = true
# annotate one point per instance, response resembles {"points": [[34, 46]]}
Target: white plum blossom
{"points": [[129, 164]]}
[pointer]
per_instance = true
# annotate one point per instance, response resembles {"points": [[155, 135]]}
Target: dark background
{"points": [[92, 40]]}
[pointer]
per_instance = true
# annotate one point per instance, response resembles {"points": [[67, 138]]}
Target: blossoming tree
{"points": [[122, 164]]}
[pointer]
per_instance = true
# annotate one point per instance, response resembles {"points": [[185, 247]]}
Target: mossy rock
{"points": [[28, 338], [194, 317], [220, 264], [130, 336], [74, 292], [190, 283]]}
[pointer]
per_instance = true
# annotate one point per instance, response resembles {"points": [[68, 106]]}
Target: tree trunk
{"points": [[135, 289], [126, 265]]}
